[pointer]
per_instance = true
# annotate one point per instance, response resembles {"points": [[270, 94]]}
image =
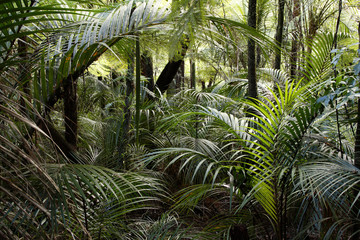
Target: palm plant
{"points": [[43, 194], [252, 170], [268, 163]]}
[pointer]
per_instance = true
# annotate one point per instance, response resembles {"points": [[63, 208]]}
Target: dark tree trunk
{"points": [[123, 141], [63, 146], [171, 68], [147, 70], [334, 45], [70, 112], [192, 74], [137, 90], [178, 81], [252, 85], [211, 82], [297, 36], [311, 31], [203, 86], [167, 75], [279, 34]]}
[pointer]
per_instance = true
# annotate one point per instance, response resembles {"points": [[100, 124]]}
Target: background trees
{"points": [[88, 152]]}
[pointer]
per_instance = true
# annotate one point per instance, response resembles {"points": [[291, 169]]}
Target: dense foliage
{"points": [[179, 148]]}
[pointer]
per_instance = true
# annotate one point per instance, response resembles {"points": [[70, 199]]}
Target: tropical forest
{"points": [[180, 119]]}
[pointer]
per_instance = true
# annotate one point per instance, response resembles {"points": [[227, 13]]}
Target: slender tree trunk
{"points": [[297, 36], [314, 25], [335, 75], [203, 86], [311, 31], [137, 114], [252, 85], [279, 34], [147, 70], [70, 112], [192, 74], [211, 82], [127, 114]]}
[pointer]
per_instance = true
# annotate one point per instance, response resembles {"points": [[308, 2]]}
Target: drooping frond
{"points": [[65, 56]]}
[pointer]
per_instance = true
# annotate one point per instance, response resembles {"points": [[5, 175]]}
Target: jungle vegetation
{"points": [[186, 119]]}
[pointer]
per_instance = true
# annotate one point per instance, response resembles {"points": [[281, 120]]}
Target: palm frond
{"points": [[65, 56], [317, 63]]}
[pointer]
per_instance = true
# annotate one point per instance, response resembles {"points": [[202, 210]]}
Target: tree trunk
{"points": [[279, 34], [147, 70], [123, 141], [167, 75], [171, 68], [252, 86], [297, 36], [192, 74], [211, 82], [137, 91], [313, 27], [203, 86], [70, 112], [176, 85], [63, 146]]}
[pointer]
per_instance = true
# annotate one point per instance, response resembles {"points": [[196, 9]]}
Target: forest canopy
{"points": [[186, 119]]}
